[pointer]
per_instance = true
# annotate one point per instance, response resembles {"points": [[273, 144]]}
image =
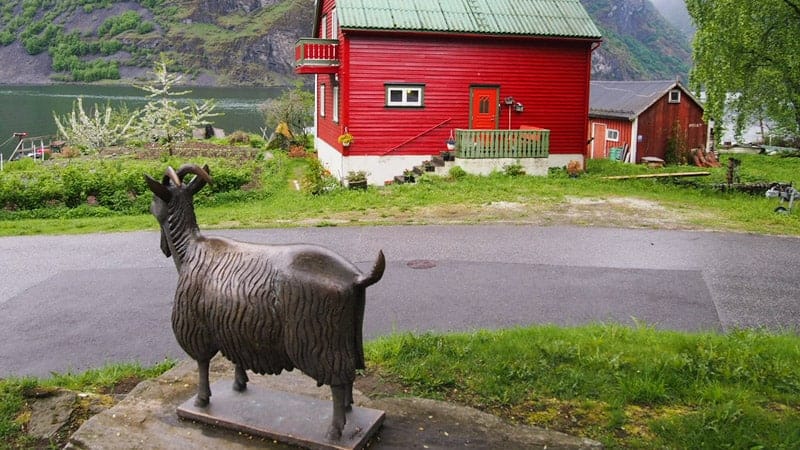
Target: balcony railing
{"points": [[489, 144], [316, 56]]}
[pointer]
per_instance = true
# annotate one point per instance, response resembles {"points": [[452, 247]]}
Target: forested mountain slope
{"points": [[251, 42]]}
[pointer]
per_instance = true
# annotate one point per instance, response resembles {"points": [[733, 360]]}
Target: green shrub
{"points": [[317, 179], [129, 20], [145, 27], [457, 173], [6, 38], [117, 187]]}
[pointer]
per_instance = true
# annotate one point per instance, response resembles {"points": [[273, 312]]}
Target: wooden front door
{"points": [[484, 105], [598, 140]]}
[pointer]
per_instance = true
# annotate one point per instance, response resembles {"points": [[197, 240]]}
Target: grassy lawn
{"points": [[627, 387], [589, 200]]}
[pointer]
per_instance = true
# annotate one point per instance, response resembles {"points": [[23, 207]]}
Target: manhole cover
{"points": [[421, 264]]}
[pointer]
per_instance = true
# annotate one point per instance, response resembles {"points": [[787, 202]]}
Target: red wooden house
{"points": [[508, 79], [643, 116]]}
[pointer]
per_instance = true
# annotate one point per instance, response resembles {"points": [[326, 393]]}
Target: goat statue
{"points": [[267, 308]]}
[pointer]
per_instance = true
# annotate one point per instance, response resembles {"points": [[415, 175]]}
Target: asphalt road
{"points": [[69, 303]]}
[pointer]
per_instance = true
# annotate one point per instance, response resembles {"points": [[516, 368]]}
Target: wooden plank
{"points": [[659, 175]]}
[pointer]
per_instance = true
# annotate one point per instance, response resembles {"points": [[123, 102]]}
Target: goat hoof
{"points": [[239, 386], [333, 434], [201, 402]]}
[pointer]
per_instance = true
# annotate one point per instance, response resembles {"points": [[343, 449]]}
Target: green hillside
{"points": [[252, 42], [639, 44]]}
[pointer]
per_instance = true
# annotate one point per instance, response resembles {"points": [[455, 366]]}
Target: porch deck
{"points": [[527, 142]]}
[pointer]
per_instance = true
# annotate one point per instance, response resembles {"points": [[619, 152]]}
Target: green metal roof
{"points": [[562, 18]]}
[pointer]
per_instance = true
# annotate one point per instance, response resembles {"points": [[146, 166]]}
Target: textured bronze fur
{"points": [[267, 308]]}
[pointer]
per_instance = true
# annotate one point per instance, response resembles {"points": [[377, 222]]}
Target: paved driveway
{"points": [[75, 302]]}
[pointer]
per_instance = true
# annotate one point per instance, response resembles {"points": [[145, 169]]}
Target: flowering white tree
{"points": [[91, 132], [163, 119]]}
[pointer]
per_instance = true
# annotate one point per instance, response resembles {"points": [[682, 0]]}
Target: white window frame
{"points": [[334, 25], [674, 96], [405, 90], [322, 100], [323, 30], [612, 135], [335, 92]]}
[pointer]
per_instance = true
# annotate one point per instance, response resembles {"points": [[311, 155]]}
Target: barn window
{"points": [[322, 100], [323, 30], [334, 25], [404, 95], [675, 96], [612, 135]]}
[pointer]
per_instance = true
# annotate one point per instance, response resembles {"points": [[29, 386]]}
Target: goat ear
{"points": [[158, 189]]}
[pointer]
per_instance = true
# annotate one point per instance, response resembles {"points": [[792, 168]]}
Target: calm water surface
{"points": [[31, 108]]}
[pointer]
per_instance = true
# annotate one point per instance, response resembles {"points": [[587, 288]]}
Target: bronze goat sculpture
{"points": [[267, 308]]}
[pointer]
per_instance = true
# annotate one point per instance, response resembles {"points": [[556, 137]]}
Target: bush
{"points": [[457, 173], [129, 20], [317, 179], [118, 187]]}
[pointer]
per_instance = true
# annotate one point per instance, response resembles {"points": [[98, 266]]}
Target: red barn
{"points": [[643, 116], [508, 79]]}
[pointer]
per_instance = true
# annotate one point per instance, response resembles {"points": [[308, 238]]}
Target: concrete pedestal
{"points": [[282, 416]]}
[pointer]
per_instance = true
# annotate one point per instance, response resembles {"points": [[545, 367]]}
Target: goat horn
{"points": [[194, 169], [172, 176]]}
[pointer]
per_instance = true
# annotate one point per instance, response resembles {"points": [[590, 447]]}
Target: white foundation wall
{"points": [[531, 166], [563, 160], [378, 168], [382, 168]]}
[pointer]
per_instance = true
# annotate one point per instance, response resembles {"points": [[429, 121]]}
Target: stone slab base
{"points": [[282, 416]]}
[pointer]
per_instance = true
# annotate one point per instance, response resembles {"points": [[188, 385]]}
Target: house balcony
{"points": [[527, 142], [313, 56]]}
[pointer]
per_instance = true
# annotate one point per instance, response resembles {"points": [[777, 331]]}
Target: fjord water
{"points": [[30, 108]]}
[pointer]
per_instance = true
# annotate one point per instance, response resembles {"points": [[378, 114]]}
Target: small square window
{"points": [[675, 96], [612, 135], [404, 95]]}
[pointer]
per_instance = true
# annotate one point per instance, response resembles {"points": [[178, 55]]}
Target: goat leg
{"points": [[337, 423], [203, 389], [240, 379], [348, 397]]}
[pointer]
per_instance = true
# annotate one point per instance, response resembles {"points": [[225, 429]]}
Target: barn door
{"points": [[599, 141], [484, 104]]}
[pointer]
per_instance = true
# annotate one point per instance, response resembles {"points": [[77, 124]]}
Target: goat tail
{"points": [[376, 274]]}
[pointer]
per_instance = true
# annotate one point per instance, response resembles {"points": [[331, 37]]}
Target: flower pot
{"points": [[451, 147], [358, 184]]}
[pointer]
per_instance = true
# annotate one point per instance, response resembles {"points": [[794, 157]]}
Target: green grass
{"points": [[465, 200], [627, 387], [17, 393]]}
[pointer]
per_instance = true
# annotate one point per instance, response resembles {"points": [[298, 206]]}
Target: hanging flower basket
{"points": [[346, 139], [451, 142]]}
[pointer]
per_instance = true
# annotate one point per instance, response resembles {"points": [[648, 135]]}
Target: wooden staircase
{"points": [[436, 166]]}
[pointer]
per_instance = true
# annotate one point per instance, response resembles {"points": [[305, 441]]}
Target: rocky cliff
{"points": [[639, 44], [251, 42]]}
